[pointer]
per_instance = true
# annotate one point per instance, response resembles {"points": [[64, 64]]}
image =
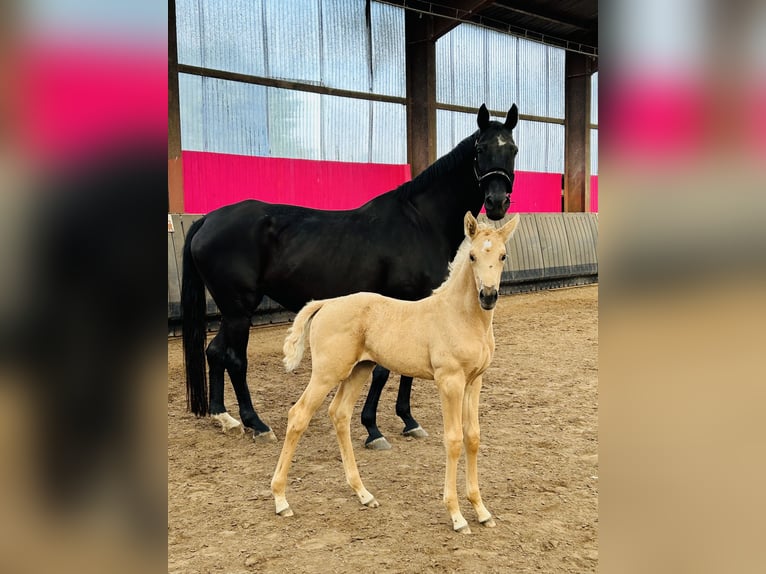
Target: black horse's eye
{"points": [[472, 257]]}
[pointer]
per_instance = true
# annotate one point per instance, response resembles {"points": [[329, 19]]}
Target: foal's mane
{"points": [[442, 166]]}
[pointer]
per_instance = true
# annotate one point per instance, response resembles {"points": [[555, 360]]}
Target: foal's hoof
{"points": [[489, 522], [228, 423], [465, 529], [379, 443], [417, 432], [266, 436], [285, 512], [372, 504]]}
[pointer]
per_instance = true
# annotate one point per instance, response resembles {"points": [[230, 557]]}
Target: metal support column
{"points": [[175, 166], [578, 69], [421, 91]]}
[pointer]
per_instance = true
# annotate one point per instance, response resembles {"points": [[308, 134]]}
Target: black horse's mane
{"points": [[445, 164]]}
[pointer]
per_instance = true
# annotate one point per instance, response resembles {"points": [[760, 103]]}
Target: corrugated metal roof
{"points": [[570, 24]]}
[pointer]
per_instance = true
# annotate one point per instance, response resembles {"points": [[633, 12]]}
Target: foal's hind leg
{"points": [[471, 437], [340, 414], [297, 420]]}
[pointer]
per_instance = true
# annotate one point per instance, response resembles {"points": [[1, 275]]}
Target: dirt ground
{"points": [[538, 465]]}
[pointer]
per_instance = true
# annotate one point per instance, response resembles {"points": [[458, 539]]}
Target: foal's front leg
{"points": [[451, 390], [471, 437]]}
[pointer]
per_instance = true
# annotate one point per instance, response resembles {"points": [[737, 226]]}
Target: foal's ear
{"points": [[483, 118], [507, 230], [512, 118], [470, 225]]}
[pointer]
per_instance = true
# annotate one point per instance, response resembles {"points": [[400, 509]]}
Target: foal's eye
{"points": [[503, 257], [472, 257]]}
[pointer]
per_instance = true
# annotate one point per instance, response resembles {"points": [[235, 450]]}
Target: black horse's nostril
{"points": [[489, 203]]}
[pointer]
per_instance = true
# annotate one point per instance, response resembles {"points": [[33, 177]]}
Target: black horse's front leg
{"points": [[411, 426]]}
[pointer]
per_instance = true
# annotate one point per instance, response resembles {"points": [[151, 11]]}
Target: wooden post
{"points": [[577, 132], [175, 166], [421, 91]]}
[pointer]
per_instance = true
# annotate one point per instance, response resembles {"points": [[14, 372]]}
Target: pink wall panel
{"points": [[536, 192], [594, 194], [212, 180]]}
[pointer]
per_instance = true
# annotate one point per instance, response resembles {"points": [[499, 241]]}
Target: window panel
{"points": [[294, 124], [533, 78], [292, 40], [388, 57], [502, 81], [188, 32], [344, 45], [389, 133], [594, 152], [345, 129], [222, 116], [531, 137]]}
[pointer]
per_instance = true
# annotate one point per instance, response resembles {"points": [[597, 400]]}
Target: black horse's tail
{"points": [[193, 312]]}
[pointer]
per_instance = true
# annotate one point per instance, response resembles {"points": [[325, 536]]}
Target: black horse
{"points": [[244, 251]]}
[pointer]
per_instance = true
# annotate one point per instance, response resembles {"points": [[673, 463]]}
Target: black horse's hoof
{"points": [[417, 432], [379, 443], [264, 436]]}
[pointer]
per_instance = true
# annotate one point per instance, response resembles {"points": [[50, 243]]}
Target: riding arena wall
{"points": [[549, 250]]}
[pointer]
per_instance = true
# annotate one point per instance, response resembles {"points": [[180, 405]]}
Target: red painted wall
{"points": [[594, 194], [212, 180]]}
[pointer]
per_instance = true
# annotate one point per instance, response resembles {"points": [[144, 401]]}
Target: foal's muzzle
{"points": [[488, 298]]}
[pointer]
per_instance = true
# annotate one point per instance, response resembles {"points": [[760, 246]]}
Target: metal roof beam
{"points": [[550, 18], [464, 9]]}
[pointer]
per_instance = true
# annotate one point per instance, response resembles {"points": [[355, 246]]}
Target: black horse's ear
{"points": [[512, 118], [483, 117]]}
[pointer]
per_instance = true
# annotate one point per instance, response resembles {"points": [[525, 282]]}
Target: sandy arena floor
{"points": [[538, 465]]}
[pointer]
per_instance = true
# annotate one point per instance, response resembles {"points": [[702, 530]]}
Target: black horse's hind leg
{"points": [[216, 353], [375, 438], [228, 351], [236, 366], [411, 426]]}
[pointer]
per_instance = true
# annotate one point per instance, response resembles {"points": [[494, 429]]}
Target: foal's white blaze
{"points": [[487, 245]]}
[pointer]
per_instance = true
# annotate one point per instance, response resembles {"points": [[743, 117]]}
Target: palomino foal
{"points": [[446, 337]]}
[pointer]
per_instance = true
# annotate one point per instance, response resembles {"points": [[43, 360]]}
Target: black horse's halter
{"points": [[499, 171]]}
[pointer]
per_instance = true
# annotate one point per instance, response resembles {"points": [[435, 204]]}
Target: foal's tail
{"points": [[193, 311], [296, 336]]}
